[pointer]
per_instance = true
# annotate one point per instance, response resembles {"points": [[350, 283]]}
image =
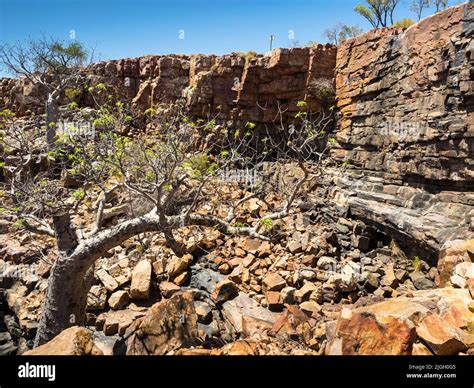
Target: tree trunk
{"points": [[65, 299], [51, 110], [66, 295]]}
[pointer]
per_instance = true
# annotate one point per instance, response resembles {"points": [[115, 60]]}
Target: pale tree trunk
{"points": [[51, 110], [66, 295]]}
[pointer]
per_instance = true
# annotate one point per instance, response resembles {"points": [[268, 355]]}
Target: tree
{"points": [[348, 32], [379, 13], [340, 32], [49, 63], [174, 177], [332, 33], [440, 4], [418, 6]]}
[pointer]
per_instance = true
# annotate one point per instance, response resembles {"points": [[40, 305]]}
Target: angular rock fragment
{"points": [[74, 341], [167, 326], [141, 278]]}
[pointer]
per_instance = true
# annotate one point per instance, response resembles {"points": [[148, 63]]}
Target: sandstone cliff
{"points": [[406, 127]]}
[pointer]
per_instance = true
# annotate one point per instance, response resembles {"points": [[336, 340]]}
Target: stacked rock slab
{"points": [[239, 87], [406, 128]]}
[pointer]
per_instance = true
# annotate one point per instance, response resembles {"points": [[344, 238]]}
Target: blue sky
{"points": [[129, 28]]}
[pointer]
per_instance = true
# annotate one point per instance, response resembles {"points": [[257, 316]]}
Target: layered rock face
{"points": [[406, 128], [237, 87]]}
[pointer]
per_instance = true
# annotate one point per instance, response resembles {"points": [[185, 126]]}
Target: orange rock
{"points": [[239, 348], [452, 253], [165, 327], [252, 326], [289, 320], [274, 282], [273, 300], [363, 334], [224, 290], [442, 338], [74, 341], [420, 350]]}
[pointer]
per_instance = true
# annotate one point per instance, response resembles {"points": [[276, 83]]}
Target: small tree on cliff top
{"points": [[50, 64], [340, 32], [418, 6], [178, 173], [379, 13], [440, 4]]}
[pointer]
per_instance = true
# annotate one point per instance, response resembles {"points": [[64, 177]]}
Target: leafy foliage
{"points": [[404, 23], [379, 13]]}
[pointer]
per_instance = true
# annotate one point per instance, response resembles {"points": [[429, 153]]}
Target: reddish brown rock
{"points": [[168, 289], [166, 326], [420, 350], [238, 348], [141, 278], [178, 265], [118, 300], [224, 290], [289, 320], [451, 254], [252, 326], [274, 300], [116, 322], [274, 282], [442, 338], [363, 334], [74, 341]]}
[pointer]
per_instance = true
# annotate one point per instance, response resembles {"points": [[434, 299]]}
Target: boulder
{"points": [[117, 322], [107, 280], [312, 309], [274, 301], [203, 311], [463, 272], [420, 350], [118, 300], [177, 265], [168, 289], [141, 278], [74, 341], [364, 334], [421, 282], [442, 338], [224, 290], [236, 309], [452, 253], [96, 298], [252, 326], [440, 317], [167, 326], [181, 279], [238, 348], [288, 321], [273, 282]]}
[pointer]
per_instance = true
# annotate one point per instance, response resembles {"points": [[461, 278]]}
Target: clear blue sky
{"points": [[129, 28]]}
